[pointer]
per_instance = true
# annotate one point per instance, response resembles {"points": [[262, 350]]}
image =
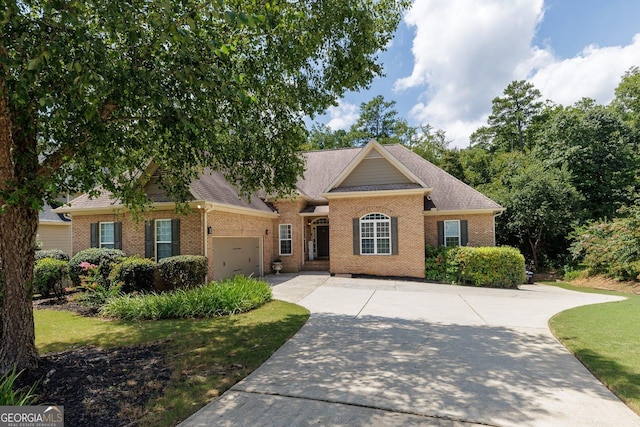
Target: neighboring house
{"points": [[368, 210], [54, 230]]}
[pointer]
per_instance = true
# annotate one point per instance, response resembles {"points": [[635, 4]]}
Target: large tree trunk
{"points": [[18, 229]]}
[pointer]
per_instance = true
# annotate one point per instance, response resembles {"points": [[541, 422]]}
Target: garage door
{"points": [[236, 255]]}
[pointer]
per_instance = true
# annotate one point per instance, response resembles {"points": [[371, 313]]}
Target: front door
{"points": [[322, 240]]}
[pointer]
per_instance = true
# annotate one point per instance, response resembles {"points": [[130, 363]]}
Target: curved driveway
{"points": [[380, 352]]}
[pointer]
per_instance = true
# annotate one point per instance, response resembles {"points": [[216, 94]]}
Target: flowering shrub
{"points": [[104, 259], [611, 248]]}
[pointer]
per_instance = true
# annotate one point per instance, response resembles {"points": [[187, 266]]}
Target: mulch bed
{"points": [[99, 387]]}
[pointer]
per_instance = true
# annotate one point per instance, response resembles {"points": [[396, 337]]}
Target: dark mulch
{"points": [[100, 387]]}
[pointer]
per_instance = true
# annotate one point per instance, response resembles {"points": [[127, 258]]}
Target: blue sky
{"points": [[450, 58]]}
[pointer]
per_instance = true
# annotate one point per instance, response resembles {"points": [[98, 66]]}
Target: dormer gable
{"points": [[375, 167]]}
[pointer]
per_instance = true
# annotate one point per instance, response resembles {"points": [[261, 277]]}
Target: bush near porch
{"points": [[495, 267]]}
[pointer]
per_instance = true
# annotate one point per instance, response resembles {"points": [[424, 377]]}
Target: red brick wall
{"points": [[227, 224], [410, 259], [191, 234], [290, 214], [480, 227]]}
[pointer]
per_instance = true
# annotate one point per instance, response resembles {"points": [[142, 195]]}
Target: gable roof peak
{"points": [[374, 150]]}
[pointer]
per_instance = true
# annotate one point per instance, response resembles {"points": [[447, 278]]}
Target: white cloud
{"points": [[595, 73], [342, 116], [466, 52]]}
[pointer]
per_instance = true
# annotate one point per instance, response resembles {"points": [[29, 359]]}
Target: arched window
{"points": [[375, 234]]}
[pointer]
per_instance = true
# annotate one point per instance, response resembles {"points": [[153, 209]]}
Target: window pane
{"points": [[382, 229], [163, 230], [164, 250], [452, 241], [451, 228], [366, 230], [384, 246], [367, 246], [106, 235], [285, 231], [285, 247]]}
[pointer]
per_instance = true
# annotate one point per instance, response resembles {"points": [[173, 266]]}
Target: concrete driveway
{"points": [[378, 352]]}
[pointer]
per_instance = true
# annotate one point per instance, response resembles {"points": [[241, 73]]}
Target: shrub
{"points": [[135, 274], [103, 258], [610, 247], [183, 271], [231, 296], [52, 253], [50, 276], [438, 263], [501, 267], [572, 274], [9, 396]]}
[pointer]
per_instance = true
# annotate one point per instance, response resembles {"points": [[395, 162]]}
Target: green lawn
{"points": [[195, 349], [606, 339]]}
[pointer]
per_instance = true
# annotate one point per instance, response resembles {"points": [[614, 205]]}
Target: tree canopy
{"points": [[91, 90]]}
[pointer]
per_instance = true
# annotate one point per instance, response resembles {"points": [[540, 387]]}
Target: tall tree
{"points": [[599, 150], [378, 120], [322, 137], [541, 207], [627, 99], [510, 117], [92, 89], [424, 140]]}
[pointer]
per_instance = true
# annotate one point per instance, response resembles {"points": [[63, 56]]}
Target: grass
{"points": [[606, 339], [207, 356]]}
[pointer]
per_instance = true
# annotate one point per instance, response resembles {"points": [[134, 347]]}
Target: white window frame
{"points": [[459, 236], [285, 234], [112, 243], [155, 236], [375, 219]]}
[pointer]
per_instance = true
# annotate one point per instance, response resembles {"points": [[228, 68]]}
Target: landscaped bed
{"points": [[115, 372]]}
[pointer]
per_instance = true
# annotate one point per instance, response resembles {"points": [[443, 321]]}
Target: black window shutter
{"points": [[464, 232], [175, 237], [149, 246], [94, 235], [356, 236], [117, 235], [441, 233], [394, 235]]}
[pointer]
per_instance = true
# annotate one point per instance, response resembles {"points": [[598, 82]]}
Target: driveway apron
{"points": [[385, 352]]}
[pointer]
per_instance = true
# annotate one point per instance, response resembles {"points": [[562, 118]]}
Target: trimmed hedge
{"points": [[105, 259], [134, 274], [501, 267], [49, 277], [52, 253], [183, 271]]}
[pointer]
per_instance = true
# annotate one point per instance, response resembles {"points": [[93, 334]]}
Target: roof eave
{"points": [[436, 212], [377, 193]]}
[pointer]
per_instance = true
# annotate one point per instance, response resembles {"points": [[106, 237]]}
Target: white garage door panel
{"points": [[236, 255]]}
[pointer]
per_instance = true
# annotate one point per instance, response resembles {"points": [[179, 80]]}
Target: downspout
{"points": [[495, 215]]}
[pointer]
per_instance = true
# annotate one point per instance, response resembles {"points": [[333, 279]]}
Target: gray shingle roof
{"points": [[322, 168], [449, 193], [47, 215]]}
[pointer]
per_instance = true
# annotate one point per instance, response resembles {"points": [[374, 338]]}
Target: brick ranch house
{"points": [[368, 210]]}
